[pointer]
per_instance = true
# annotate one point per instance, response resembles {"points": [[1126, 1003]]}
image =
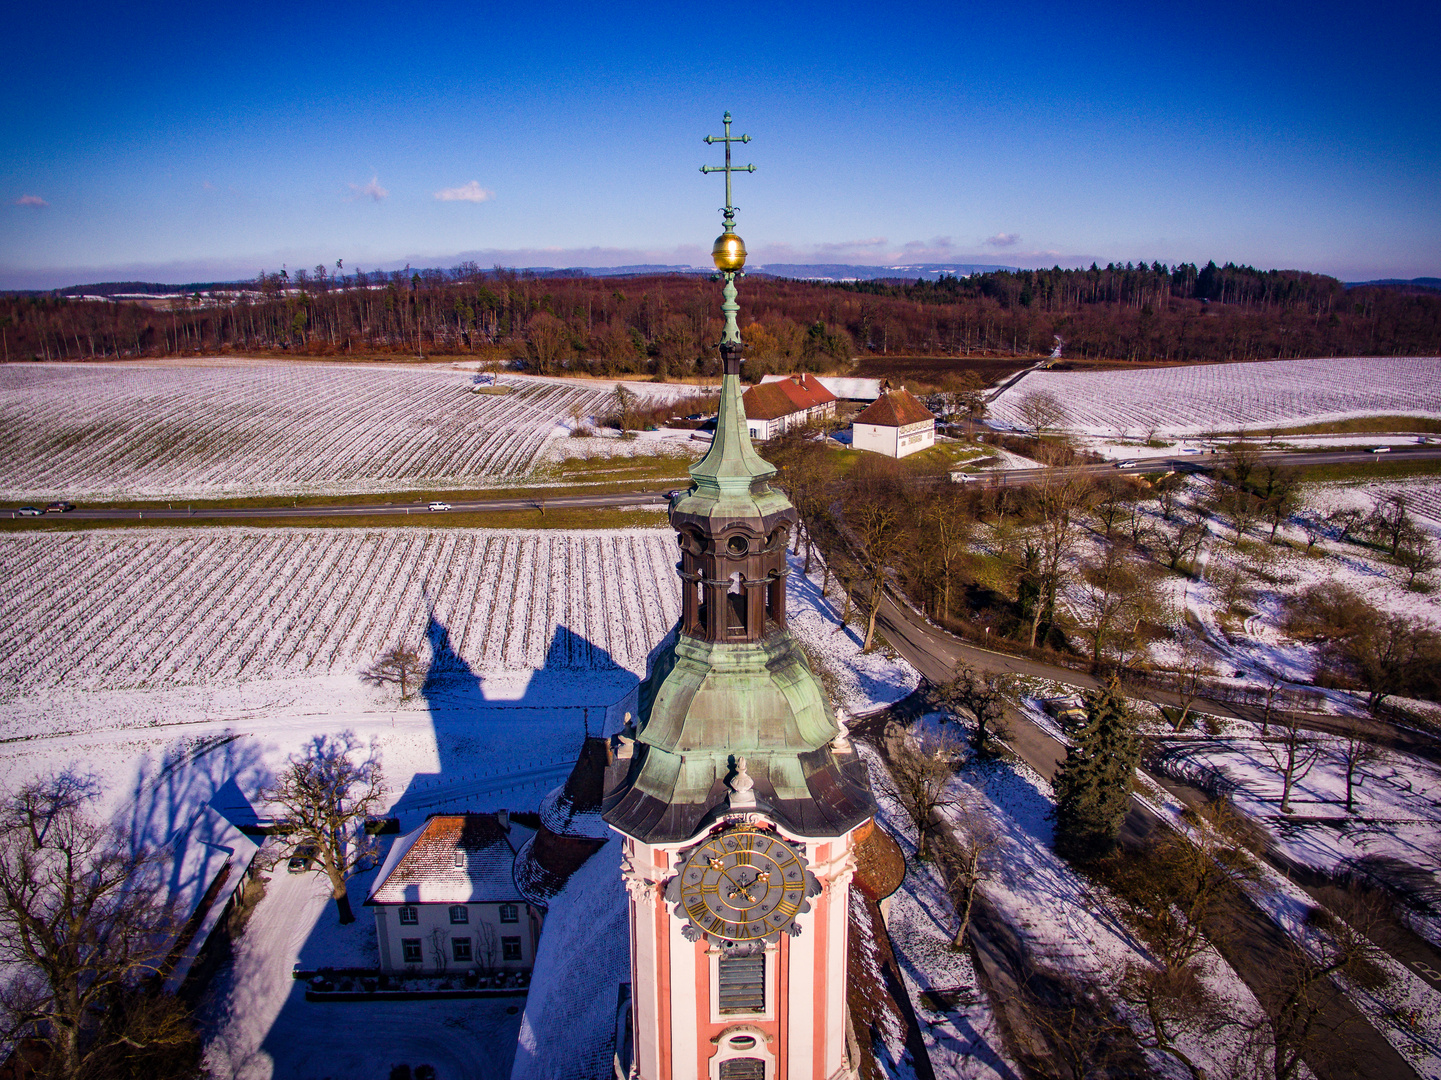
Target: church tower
{"points": [[741, 799]]}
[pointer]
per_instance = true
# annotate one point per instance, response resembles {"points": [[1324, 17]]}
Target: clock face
{"points": [[741, 885]]}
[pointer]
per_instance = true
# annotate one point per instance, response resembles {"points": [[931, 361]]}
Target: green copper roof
{"points": [[730, 481]]}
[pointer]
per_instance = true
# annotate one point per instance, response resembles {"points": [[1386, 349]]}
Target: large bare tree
{"points": [[327, 791], [83, 926], [922, 762]]}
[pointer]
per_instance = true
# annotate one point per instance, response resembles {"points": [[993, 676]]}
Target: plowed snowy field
{"points": [[107, 610], [1212, 397], [218, 428]]}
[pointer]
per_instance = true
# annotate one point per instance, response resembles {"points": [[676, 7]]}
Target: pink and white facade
{"points": [[683, 1031]]}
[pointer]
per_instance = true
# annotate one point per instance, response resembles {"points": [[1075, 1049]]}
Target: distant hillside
{"points": [[1426, 284], [849, 272]]}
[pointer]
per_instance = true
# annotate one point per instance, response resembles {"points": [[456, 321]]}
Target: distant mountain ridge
{"points": [[908, 272], [1430, 284]]}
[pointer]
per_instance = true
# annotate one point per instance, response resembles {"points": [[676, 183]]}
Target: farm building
{"points": [[845, 389], [446, 898], [895, 424], [774, 407]]}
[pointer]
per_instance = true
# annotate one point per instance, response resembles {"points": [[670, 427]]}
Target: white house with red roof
{"points": [[446, 898], [895, 424], [774, 407]]}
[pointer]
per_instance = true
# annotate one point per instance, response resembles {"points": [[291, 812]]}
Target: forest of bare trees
{"points": [[665, 325]]}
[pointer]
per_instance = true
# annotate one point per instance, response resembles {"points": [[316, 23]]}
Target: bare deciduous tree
{"points": [[1416, 554], [877, 526], [1041, 411], [1390, 521], [327, 794], [920, 768], [967, 861], [1357, 751], [1294, 754], [83, 925], [985, 699], [400, 664]]}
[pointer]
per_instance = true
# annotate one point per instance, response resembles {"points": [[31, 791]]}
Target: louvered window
{"points": [[743, 1069], [742, 984]]}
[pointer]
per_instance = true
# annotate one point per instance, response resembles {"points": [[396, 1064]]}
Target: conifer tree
{"points": [[1093, 784]]}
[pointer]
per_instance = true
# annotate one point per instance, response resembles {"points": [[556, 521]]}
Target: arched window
{"points": [[736, 606]]}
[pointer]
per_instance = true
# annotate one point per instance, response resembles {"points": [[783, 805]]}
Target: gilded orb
{"points": [[729, 252]]}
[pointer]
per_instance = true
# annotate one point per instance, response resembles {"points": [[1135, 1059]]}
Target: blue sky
{"points": [[184, 142]]}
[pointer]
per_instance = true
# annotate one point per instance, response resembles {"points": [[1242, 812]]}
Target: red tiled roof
{"points": [[894, 408], [426, 870], [770, 401]]}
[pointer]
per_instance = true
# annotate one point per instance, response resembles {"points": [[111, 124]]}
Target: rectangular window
{"points": [[509, 913], [742, 983], [460, 949], [460, 860], [510, 948], [459, 913], [410, 950], [409, 915]]}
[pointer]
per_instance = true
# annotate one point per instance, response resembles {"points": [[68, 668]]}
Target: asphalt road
{"points": [[1253, 945], [1206, 462], [1179, 463], [525, 502]]}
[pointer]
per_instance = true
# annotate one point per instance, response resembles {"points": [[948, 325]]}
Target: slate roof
{"points": [[772, 400], [894, 408], [421, 865]]}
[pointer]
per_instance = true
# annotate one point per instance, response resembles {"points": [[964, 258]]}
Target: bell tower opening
{"points": [[736, 606]]}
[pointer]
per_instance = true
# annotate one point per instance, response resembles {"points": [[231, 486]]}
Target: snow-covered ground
{"points": [[960, 1030], [216, 428], [259, 1026], [1222, 397]]}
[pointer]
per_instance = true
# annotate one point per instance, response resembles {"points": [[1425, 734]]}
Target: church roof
{"points": [[772, 400], [421, 867], [894, 408]]}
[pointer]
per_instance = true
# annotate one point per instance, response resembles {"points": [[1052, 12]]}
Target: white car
{"points": [[1380, 449], [1127, 464], [440, 506]]}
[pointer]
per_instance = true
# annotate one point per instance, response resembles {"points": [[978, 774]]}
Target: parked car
{"points": [[1068, 710], [301, 859], [59, 506], [440, 506], [30, 511]]}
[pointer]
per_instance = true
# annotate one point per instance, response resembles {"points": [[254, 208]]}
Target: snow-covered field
{"points": [[205, 429], [102, 610], [1221, 397]]}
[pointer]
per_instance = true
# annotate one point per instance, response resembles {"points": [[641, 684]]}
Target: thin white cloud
{"points": [[471, 192], [372, 190], [1002, 240], [31, 200]]}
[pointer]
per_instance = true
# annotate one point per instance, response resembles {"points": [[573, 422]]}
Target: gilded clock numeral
{"points": [[743, 859], [709, 887]]}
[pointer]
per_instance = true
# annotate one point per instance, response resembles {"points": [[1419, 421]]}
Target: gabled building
{"points": [[775, 407], [446, 898], [895, 424]]}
